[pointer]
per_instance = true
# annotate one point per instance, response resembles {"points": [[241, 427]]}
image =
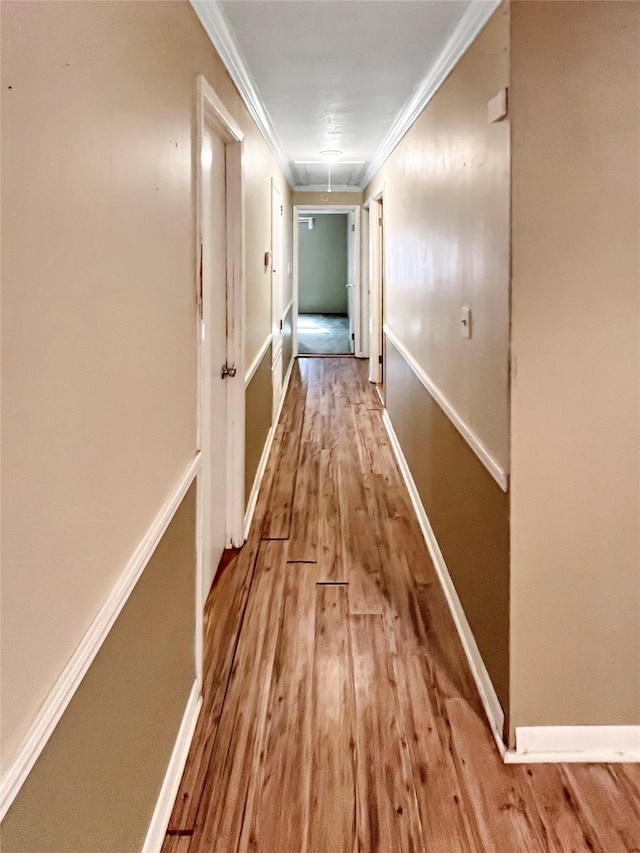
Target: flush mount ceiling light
{"points": [[331, 155]]}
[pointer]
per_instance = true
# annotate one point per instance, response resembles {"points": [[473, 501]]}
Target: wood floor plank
{"points": [[224, 612], [277, 518], [359, 544], [629, 774], [284, 772], [303, 542], [387, 813], [403, 616], [224, 806], [447, 659], [176, 844], [303, 539], [596, 790], [435, 779], [329, 552], [568, 830], [332, 804], [503, 814]]}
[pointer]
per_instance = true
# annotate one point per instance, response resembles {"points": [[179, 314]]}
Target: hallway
{"points": [[339, 711]]}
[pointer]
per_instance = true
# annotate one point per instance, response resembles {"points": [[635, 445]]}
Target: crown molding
{"points": [[473, 20], [217, 28]]}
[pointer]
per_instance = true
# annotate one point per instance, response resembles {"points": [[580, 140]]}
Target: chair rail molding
{"points": [[497, 471]]}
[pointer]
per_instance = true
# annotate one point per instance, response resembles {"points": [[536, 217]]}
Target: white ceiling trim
{"points": [[473, 20], [216, 27]]}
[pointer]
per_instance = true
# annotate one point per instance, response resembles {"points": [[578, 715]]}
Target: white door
{"points": [[375, 291], [213, 352], [277, 280], [351, 278]]}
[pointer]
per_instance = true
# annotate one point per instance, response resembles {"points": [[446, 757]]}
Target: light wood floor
{"points": [[339, 713]]}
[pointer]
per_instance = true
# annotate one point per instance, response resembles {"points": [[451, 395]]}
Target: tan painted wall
{"points": [[467, 509], [575, 113], [446, 214], [95, 786], [98, 272], [258, 397]]}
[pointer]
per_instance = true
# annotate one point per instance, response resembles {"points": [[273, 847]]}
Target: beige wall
{"points": [[575, 513], [98, 272], [446, 232], [95, 786], [446, 215]]}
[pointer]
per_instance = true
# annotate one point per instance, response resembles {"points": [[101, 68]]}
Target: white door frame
{"points": [[304, 210], [377, 258], [212, 114], [277, 295]]}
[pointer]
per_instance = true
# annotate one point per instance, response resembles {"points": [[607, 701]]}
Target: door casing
{"points": [[375, 278], [212, 115]]}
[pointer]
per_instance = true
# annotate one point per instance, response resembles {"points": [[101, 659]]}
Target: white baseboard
{"points": [[162, 812], [570, 744], [262, 466], [492, 707], [71, 677]]}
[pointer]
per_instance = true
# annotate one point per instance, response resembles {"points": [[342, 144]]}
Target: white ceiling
{"points": [[338, 74]]}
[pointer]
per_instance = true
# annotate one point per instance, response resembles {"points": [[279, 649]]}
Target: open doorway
{"points": [[327, 280]]}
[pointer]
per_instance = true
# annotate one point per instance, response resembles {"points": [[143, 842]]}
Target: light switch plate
{"points": [[497, 107], [465, 321]]}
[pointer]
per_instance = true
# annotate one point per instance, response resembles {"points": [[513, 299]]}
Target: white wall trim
{"points": [[376, 280], [473, 20], [217, 28], [257, 361], [571, 744], [262, 466], [65, 687], [276, 357], [164, 806], [287, 309], [499, 474], [490, 702]]}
